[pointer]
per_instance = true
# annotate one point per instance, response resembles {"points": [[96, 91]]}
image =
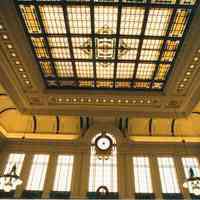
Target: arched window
{"points": [[103, 172]]}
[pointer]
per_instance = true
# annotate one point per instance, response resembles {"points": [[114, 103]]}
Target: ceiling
{"points": [[125, 58], [106, 45]]}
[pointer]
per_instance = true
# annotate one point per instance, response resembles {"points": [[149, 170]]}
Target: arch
{"points": [[98, 128]]}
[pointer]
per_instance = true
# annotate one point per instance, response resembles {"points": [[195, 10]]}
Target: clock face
{"points": [[103, 143]]}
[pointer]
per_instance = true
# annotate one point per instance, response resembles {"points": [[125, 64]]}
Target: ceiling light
{"points": [[10, 46], [5, 37]]}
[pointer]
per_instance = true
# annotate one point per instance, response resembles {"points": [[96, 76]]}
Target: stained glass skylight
{"points": [[106, 44]]}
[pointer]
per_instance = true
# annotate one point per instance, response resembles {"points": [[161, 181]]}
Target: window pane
{"points": [[142, 175], [191, 162], [14, 159], [103, 172], [63, 175], [38, 172], [168, 176]]}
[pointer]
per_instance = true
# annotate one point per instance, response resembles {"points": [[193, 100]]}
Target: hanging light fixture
{"points": [[10, 180], [193, 182]]}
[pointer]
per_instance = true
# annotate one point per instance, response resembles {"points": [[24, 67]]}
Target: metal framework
{"points": [[113, 44]]}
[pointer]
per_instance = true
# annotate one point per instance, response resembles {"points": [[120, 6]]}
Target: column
{"points": [[121, 174], [50, 176], [24, 174], [129, 177], [80, 176], [155, 176]]}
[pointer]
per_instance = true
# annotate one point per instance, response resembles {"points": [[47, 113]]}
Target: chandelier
{"points": [[192, 183], [10, 180]]}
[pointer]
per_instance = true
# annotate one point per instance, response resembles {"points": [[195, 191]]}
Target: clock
{"points": [[103, 145]]}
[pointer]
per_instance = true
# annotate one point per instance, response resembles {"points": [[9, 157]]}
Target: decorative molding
{"points": [[10, 51], [173, 127], [150, 126], [103, 100], [57, 124], [34, 124], [6, 109]]}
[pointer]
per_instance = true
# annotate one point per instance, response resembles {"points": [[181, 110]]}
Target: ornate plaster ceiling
{"points": [[22, 78]]}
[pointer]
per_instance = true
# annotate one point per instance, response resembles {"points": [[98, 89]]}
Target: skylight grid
{"points": [[64, 69], [62, 39], [79, 19], [158, 21], [131, 20], [84, 70], [105, 19], [53, 19]]}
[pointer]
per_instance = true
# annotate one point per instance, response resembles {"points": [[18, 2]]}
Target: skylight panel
{"points": [[105, 71], [123, 84], [104, 84], [58, 41], [157, 85], [105, 19], [150, 44], [163, 1], [158, 21], [53, 19], [82, 47], [168, 56], [131, 20], [125, 70], [162, 71], [87, 84], [151, 55], [39, 47], [30, 18], [64, 69], [142, 85], [145, 71], [79, 19], [60, 53], [188, 2], [47, 69], [128, 49], [180, 22], [84, 69]]}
